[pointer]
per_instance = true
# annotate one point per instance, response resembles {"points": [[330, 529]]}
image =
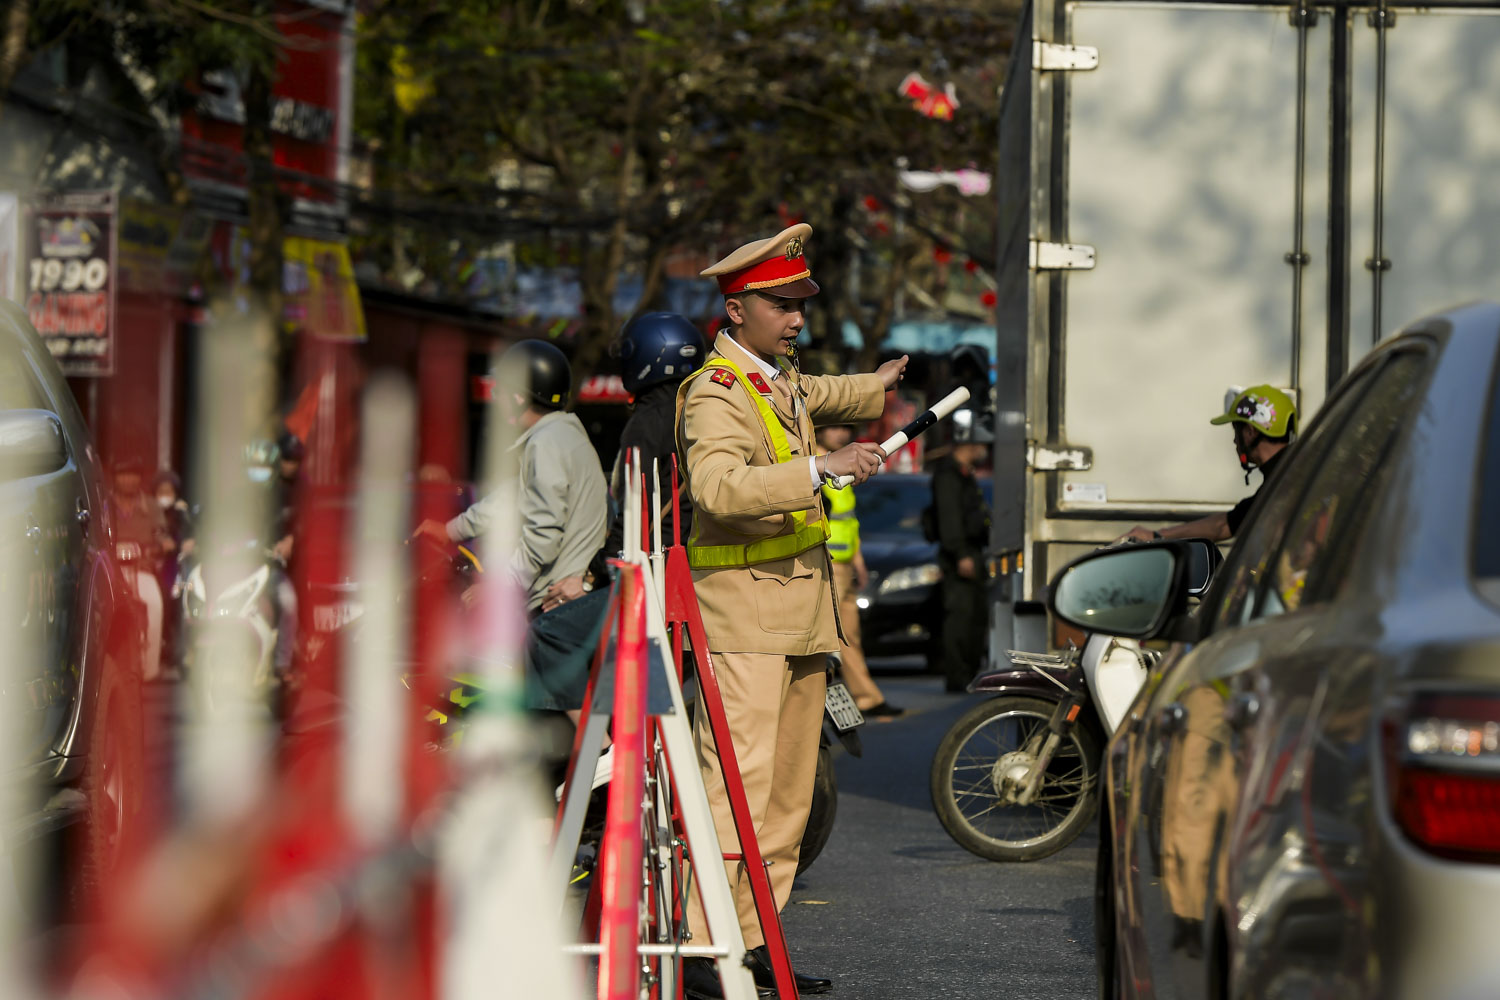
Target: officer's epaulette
{"points": [[723, 376]]}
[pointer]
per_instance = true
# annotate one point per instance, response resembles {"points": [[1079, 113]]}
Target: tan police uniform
{"points": [[760, 566]]}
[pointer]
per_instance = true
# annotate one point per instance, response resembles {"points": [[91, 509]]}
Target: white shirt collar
{"points": [[769, 371]]}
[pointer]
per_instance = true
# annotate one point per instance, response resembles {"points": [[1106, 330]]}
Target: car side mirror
{"points": [[1204, 560], [1133, 592], [31, 444]]}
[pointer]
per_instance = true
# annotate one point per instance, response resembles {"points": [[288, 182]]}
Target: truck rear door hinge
{"points": [[1061, 256], [1058, 457], [1051, 56]]}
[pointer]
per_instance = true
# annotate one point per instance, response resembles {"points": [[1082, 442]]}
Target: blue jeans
{"points": [[560, 649]]}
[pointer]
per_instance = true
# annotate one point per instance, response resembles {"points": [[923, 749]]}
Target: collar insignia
{"points": [[758, 380]]}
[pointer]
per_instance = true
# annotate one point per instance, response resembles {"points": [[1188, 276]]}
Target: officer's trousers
{"points": [[774, 704]]}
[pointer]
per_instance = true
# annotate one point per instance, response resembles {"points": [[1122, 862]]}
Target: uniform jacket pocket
{"points": [[784, 594]]}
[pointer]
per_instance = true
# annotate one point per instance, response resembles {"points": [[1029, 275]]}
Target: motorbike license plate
{"points": [[841, 708]]}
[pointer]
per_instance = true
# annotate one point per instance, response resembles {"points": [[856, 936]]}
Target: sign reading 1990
{"points": [[70, 292]]}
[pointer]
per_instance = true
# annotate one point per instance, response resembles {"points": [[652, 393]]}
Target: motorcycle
{"points": [[1014, 779], [230, 622]]}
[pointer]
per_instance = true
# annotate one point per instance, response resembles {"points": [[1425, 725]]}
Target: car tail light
{"points": [[1444, 759]]}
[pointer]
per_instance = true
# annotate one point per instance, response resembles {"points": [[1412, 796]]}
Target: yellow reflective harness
{"points": [[766, 549]]}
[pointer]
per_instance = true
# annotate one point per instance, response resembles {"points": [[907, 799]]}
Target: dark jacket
{"points": [[962, 518], [652, 429]]}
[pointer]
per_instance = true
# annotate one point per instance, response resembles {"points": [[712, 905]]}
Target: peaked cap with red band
{"points": [[775, 266]]}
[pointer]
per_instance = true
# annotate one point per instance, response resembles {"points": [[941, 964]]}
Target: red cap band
{"points": [[779, 270]]}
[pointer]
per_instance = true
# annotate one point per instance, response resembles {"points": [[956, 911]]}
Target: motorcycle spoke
{"points": [[976, 791]]}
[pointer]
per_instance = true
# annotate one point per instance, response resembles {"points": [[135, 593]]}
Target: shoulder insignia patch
{"points": [[723, 376], [758, 380]]}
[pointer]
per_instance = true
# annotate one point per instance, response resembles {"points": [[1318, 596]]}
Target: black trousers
{"points": [[965, 627]]}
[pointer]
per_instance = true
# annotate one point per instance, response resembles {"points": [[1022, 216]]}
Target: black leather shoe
{"points": [[700, 981], [760, 968]]}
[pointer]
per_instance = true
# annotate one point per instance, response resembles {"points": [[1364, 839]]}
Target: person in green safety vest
{"points": [[849, 578]]}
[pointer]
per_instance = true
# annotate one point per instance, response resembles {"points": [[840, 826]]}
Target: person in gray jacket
{"points": [[562, 495]]}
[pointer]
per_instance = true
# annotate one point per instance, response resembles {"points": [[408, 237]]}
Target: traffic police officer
{"points": [[760, 564]]}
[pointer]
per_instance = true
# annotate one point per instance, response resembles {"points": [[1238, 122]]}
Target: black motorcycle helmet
{"points": [[658, 347], [537, 370]]}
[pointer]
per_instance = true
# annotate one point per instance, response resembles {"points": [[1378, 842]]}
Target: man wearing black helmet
{"points": [[562, 494], [657, 350]]}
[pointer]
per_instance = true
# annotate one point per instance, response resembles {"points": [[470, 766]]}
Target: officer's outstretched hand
{"points": [[890, 373], [859, 460]]}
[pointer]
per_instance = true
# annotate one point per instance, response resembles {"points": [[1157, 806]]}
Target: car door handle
{"points": [[1242, 709], [1171, 718], [81, 512]]}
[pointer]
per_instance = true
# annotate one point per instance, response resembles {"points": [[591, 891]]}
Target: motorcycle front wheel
{"points": [[968, 788], [825, 806]]}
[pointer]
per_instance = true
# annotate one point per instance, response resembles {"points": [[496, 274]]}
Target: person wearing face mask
{"points": [[285, 489], [141, 539], [1265, 421], [179, 547]]}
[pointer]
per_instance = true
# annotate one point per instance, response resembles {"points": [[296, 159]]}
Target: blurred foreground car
{"points": [[901, 610], [1305, 798], [72, 634]]}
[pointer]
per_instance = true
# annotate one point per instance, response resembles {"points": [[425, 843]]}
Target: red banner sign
{"points": [[307, 100], [70, 279]]}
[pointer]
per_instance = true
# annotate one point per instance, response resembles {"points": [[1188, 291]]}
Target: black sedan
{"points": [[901, 608], [71, 629], [1305, 798]]}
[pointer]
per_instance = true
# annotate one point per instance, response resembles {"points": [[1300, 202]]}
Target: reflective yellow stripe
{"points": [[779, 547], [804, 536]]}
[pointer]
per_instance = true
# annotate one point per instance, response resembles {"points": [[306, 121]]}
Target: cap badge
{"points": [[794, 248]]}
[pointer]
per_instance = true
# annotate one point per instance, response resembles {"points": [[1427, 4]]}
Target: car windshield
{"points": [[893, 504]]}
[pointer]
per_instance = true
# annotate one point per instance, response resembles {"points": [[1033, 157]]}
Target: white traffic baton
{"points": [[942, 408]]}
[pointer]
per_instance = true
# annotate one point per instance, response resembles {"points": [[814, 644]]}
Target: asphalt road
{"points": [[895, 909]]}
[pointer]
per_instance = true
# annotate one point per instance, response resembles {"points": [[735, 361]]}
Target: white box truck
{"points": [[1195, 196]]}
